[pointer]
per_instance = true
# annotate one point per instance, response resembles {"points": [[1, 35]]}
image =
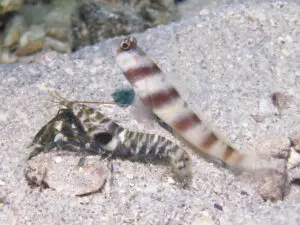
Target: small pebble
{"points": [[204, 219], [280, 100], [279, 4], [217, 206], [272, 184], [2, 183], [6, 56], [59, 33], [59, 46], [171, 180], [295, 139], [230, 14], [30, 48], [294, 159], [275, 147], [58, 159], [2, 196], [259, 118], [204, 12]]}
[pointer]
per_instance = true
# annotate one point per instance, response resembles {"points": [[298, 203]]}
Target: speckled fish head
{"points": [[128, 44], [130, 58]]}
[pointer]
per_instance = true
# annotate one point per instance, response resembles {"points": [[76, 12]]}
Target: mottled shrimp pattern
{"points": [[165, 102], [80, 126]]}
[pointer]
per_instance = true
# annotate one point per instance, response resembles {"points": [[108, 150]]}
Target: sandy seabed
{"points": [[225, 62]]}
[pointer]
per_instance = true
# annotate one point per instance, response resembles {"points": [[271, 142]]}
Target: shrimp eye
{"points": [[128, 43], [103, 138]]}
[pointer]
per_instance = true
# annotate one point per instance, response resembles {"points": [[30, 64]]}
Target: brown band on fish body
{"points": [[232, 155], [209, 140], [136, 74], [228, 152], [161, 98], [186, 122], [238, 157]]}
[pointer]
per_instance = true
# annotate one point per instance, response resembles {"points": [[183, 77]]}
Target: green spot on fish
{"points": [[124, 96]]}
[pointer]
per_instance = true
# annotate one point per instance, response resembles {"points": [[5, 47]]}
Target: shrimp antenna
{"points": [[56, 96], [59, 100]]}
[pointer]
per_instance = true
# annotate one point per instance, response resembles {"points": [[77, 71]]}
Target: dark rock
{"points": [[217, 206], [37, 1], [10, 6], [273, 185], [281, 100], [94, 21], [178, 1], [4, 19]]}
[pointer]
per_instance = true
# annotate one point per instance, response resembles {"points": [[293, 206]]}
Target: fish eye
{"points": [[125, 46], [128, 43]]}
